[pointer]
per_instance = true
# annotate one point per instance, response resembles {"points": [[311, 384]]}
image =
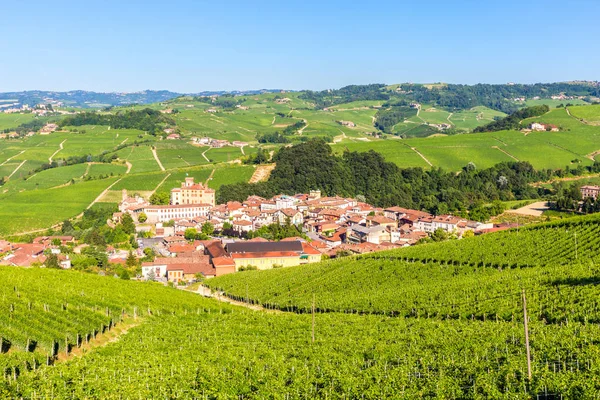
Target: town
{"points": [[194, 238]]}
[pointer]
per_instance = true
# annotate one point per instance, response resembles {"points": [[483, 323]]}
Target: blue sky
{"points": [[190, 46]]}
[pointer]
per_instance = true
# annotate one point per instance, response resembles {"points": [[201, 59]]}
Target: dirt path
{"points": [[10, 158], [129, 165], [566, 179], [219, 296], [16, 169], [273, 122], [100, 196], [102, 339], [204, 154], [505, 152], [339, 138], [262, 173], [56, 152], [422, 156], [157, 186], [300, 131], [242, 149], [592, 156], [209, 177], [157, 159], [534, 209]]}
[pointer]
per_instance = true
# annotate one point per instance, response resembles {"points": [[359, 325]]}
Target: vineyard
{"points": [[479, 277], [441, 321]]}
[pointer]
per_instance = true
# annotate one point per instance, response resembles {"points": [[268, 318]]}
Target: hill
{"points": [[430, 327], [475, 277]]}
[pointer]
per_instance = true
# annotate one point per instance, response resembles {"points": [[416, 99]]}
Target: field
{"points": [[42, 208], [8, 121], [575, 141], [590, 114], [440, 320]]}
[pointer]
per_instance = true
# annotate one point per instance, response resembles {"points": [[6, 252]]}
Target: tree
{"points": [[190, 233], [160, 198], [128, 224], [52, 261], [439, 235], [66, 227], [142, 217], [131, 260], [151, 276], [208, 228], [56, 242]]}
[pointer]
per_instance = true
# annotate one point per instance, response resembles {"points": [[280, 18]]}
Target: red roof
{"points": [[308, 249], [223, 262]]}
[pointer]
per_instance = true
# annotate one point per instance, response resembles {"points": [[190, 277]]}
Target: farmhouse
{"points": [[536, 126], [590, 191], [192, 193]]}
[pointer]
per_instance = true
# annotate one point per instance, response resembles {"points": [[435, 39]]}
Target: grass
{"points": [[8, 121], [40, 209], [590, 114], [228, 175]]}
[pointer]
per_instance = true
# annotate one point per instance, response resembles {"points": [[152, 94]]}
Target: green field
{"points": [[39, 209], [227, 175], [8, 121], [590, 114]]}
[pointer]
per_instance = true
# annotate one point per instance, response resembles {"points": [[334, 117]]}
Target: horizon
{"points": [[192, 47], [297, 90]]}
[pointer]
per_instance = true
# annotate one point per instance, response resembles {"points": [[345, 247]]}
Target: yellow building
{"points": [[192, 193], [266, 255]]}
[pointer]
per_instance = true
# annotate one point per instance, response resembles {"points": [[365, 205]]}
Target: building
{"points": [[192, 193], [536, 126], [590, 191], [178, 269], [266, 255], [172, 212]]}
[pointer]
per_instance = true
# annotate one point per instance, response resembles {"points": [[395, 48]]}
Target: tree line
{"points": [[147, 120], [312, 165], [513, 121]]}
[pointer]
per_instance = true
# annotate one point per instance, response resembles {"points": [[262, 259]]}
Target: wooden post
{"points": [[575, 233], [313, 319], [526, 335]]}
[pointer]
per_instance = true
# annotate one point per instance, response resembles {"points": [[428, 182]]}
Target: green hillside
{"points": [[455, 279], [441, 321]]}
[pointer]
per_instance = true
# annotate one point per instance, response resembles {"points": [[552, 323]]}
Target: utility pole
{"points": [[313, 319], [526, 335]]}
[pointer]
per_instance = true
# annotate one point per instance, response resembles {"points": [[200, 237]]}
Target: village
{"points": [[326, 227]]}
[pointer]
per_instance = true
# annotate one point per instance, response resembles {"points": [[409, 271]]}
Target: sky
{"points": [[189, 46]]}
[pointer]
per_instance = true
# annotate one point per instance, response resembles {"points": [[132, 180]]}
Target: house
{"points": [[178, 269], [192, 193], [349, 124], [242, 226], [590, 191], [373, 234], [295, 217], [48, 129], [536, 126], [383, 221], [174, 136]]}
